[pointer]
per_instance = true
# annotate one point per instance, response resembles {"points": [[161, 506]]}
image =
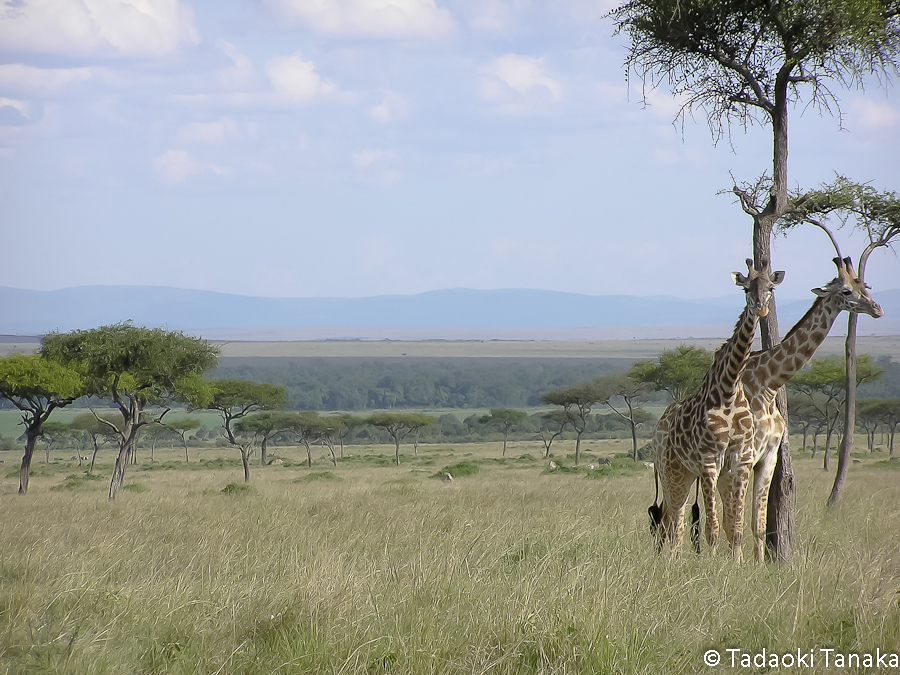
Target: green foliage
{"points": [[147, 363], [679, 371], [366, 384], [736, 59], [317, 476], [26, 379], [238, 489], [78, 481], [463, 468], [135, 487], [828, 375], [504, 418], [238, 398]]}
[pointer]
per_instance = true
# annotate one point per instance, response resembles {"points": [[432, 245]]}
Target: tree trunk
{"points": [[397, 449], [578, 447], [94, 456], [186, 458], [805, 431], [263, 458], [30, 441], [245, 460], [849, 413], [118, 477], [505, 438]]}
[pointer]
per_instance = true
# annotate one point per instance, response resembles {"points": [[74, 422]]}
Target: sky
{"points": [[351, 148]]}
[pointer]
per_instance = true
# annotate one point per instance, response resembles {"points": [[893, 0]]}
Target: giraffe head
{"points": [[847, 292], [758, 286]]}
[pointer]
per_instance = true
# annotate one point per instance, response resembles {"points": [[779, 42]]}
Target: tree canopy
{"points": [[679, 371], [36, 386], [134, 367]]}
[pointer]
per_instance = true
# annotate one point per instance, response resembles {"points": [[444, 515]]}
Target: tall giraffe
{"points": [[765, 373], [692, 435]]}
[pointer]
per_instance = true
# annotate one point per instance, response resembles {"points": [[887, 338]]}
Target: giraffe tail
{"points": [[695, 520]]}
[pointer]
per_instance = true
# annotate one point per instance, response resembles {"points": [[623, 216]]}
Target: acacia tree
{"points": [[890, 417], [869, 416], [348, 423], [553, 424], [576, 402], [748, 62], [264, 425], [308, 427], [877, 213], [135, 367], [398, 425], [182, 428], [824, 383], [505, 419], [235, 399], [36, 386], [633, 394], [99, 428], [679, 371]]}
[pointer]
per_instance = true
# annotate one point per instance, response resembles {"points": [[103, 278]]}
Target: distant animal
{"points": [[603, 461], [446, 477], [552, 465]]}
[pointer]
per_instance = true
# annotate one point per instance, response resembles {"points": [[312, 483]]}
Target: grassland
{"points": [[371, 568]]}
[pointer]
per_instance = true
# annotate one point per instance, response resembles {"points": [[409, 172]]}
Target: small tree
{"points": [[100, 429], [264, 425], [309, 427], [505, 419], [827, 377], [398, 425], [235, 399], [553, 424], [181, 428], [348, 424], [577, 403], [36, 386], [135, 367], [633, 395]]}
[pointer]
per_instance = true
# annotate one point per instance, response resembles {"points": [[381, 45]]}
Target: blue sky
{"points": [[364, 147]]}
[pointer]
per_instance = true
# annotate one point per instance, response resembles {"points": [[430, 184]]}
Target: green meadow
{"points": [[366, 567]]}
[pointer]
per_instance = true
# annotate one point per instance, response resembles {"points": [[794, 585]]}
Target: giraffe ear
{"points": [[739, 279], [778, 277], [821, 292]]}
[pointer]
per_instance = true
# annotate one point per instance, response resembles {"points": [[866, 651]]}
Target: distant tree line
{"points": [[383, 384]]}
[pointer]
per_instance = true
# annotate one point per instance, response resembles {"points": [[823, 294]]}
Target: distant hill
{"points": [[24, 312]]}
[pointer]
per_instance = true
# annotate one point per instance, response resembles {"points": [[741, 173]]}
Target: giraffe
{"points": [[765, 373], [692, 435]]}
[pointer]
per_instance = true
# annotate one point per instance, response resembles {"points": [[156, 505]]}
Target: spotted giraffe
{"points": [[765, 373], [692, 435]]}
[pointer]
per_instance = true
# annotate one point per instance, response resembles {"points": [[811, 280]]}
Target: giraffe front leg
{"points": [[708, 490], [675, 494], [762, 480]]}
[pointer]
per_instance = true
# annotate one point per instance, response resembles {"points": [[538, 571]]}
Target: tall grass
{"points": [[392, 571]]}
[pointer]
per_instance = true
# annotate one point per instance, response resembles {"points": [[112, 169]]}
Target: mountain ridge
{"points": [[28, 312]]}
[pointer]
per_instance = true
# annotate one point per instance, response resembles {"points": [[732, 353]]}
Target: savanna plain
{"points": [[366, 567]]}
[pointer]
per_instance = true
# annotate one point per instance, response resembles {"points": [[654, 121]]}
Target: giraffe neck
{"points": [[729, 361], [775, 367]]}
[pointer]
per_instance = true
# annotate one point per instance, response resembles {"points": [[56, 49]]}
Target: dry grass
{"points": [[388, 570]]}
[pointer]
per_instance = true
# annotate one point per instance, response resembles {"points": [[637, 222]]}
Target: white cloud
{"points": [[514, 79], [239, 75], [392, 109], [215, 133], [130, 27], [377, 166], [872, 115], [176, 166], [368, 18], [17, 76], [21, 106], [296, 80]]}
